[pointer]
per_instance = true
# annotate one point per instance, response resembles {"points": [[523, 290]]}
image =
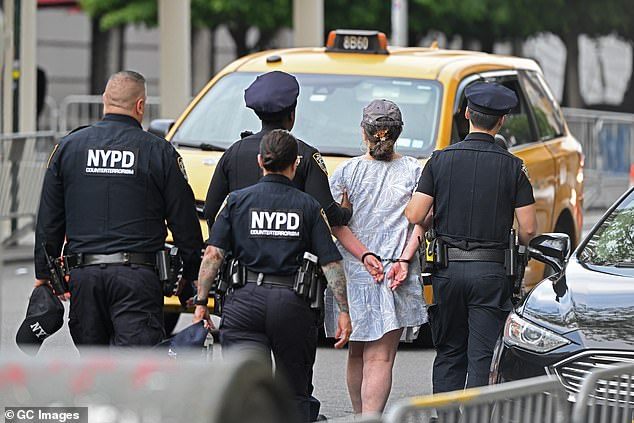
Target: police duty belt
{"points": [[481, 254], [82, 259]]}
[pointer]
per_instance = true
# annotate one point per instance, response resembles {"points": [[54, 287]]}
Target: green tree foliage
{"points": [[114, 13], [238, 15], [349, 14]]}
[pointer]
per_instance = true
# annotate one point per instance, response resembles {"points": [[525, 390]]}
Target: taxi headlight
{"points": [[524, 334]]}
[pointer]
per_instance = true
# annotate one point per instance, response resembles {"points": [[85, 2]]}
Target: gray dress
{"points": [[379, 192]]}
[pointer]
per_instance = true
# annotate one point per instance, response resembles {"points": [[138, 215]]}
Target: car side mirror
{"points": [[552, 249], [160, 127]]}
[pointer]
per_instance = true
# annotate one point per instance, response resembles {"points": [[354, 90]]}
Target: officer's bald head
{"points": [[125, 94]]}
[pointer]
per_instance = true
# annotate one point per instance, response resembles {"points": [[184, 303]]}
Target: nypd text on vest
{"points": [[275, 223], [111, 161]]}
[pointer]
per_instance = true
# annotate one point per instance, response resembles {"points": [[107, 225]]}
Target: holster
{"points": [[168, 267], [57, 270], [230, 275], [317, 288], [441, 256], [516, 260], [310, 282]]}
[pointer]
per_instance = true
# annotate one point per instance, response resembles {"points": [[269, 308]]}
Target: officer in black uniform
{"points": [[476, 187], [268, 227], [273, 97], [109, 188]]}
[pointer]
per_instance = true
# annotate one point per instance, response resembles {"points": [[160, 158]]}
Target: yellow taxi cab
{"points": [[428, 84]]}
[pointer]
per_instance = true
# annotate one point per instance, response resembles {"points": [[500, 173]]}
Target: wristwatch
{"points": [[200, 301]]}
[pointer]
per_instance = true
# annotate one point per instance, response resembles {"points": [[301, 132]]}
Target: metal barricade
{"points": [[608, 145], [606, 396], [23, 159], [541, 399], [79, 110]]}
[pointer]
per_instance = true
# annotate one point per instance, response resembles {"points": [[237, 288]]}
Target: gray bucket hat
{"points": [[382, 109]]}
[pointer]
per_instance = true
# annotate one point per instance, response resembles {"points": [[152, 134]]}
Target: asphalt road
{"points": [[412, 373]]}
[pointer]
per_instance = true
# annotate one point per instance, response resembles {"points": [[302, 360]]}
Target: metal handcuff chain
{"points": [[378, 257]]}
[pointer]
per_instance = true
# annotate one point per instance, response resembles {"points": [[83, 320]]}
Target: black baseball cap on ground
{"points": [[44, 317]]}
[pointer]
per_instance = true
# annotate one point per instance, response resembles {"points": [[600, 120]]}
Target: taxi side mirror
{"points": [[160, 127], [552, 249]]}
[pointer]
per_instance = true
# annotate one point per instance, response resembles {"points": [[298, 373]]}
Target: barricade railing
{"points": [[607, 139], [606, 396], [23, 159], [541, 399], [79, 110]]}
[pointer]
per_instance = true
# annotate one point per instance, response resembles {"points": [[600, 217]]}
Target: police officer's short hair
{"points": [[483, 121], [124, 88], [278, 150], [129, 74]]}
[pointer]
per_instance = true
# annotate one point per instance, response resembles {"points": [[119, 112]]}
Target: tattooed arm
{"points": [[336, 278], [208, 270]]}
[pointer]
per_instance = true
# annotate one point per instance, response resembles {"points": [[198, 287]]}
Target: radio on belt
{"points": [[356, 41]]}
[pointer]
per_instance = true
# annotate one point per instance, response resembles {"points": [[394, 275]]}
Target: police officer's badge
{"points": [[525, 170], [320, 162], [181, 166]]}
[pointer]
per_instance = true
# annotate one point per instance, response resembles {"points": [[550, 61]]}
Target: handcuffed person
{"points": [[269, 228]]}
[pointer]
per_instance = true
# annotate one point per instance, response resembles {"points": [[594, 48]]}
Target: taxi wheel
{"points": [[170, 319]]}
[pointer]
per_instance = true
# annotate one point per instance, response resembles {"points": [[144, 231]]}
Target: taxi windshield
{"points": [[328, 115]]}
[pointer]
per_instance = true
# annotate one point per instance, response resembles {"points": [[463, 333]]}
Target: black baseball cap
{"points": [[490, 98], [44, 317], [272, 95]]}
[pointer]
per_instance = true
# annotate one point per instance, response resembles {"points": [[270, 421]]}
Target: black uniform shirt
{"points": [[110, 188], [238, 168], [269, 226], [476, 186]]}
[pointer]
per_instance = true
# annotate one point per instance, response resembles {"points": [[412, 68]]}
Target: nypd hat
{"points": [[490, 98], [192, 336], [44, 317], [272, 95]]}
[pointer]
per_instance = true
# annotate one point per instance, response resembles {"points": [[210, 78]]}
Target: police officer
{"points": [[109, 188], [476, 187], [268, 227], [273, 97]]}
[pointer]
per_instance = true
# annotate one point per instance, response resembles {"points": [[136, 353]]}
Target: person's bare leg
{"points": [[354, 374], [378, 361]]}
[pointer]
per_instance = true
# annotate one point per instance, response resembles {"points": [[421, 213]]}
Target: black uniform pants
{"points": [[471, 302], [267, 318], [115, 305]]}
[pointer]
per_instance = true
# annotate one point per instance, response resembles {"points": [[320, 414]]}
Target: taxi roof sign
{"points": [[356, 41]]}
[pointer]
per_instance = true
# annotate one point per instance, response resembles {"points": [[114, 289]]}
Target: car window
{"points": [[612, 244], [328, 115], [545, 110], [516, 129]]}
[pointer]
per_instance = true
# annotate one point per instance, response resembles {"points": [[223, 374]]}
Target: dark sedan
{"points": [[581, 317]]}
